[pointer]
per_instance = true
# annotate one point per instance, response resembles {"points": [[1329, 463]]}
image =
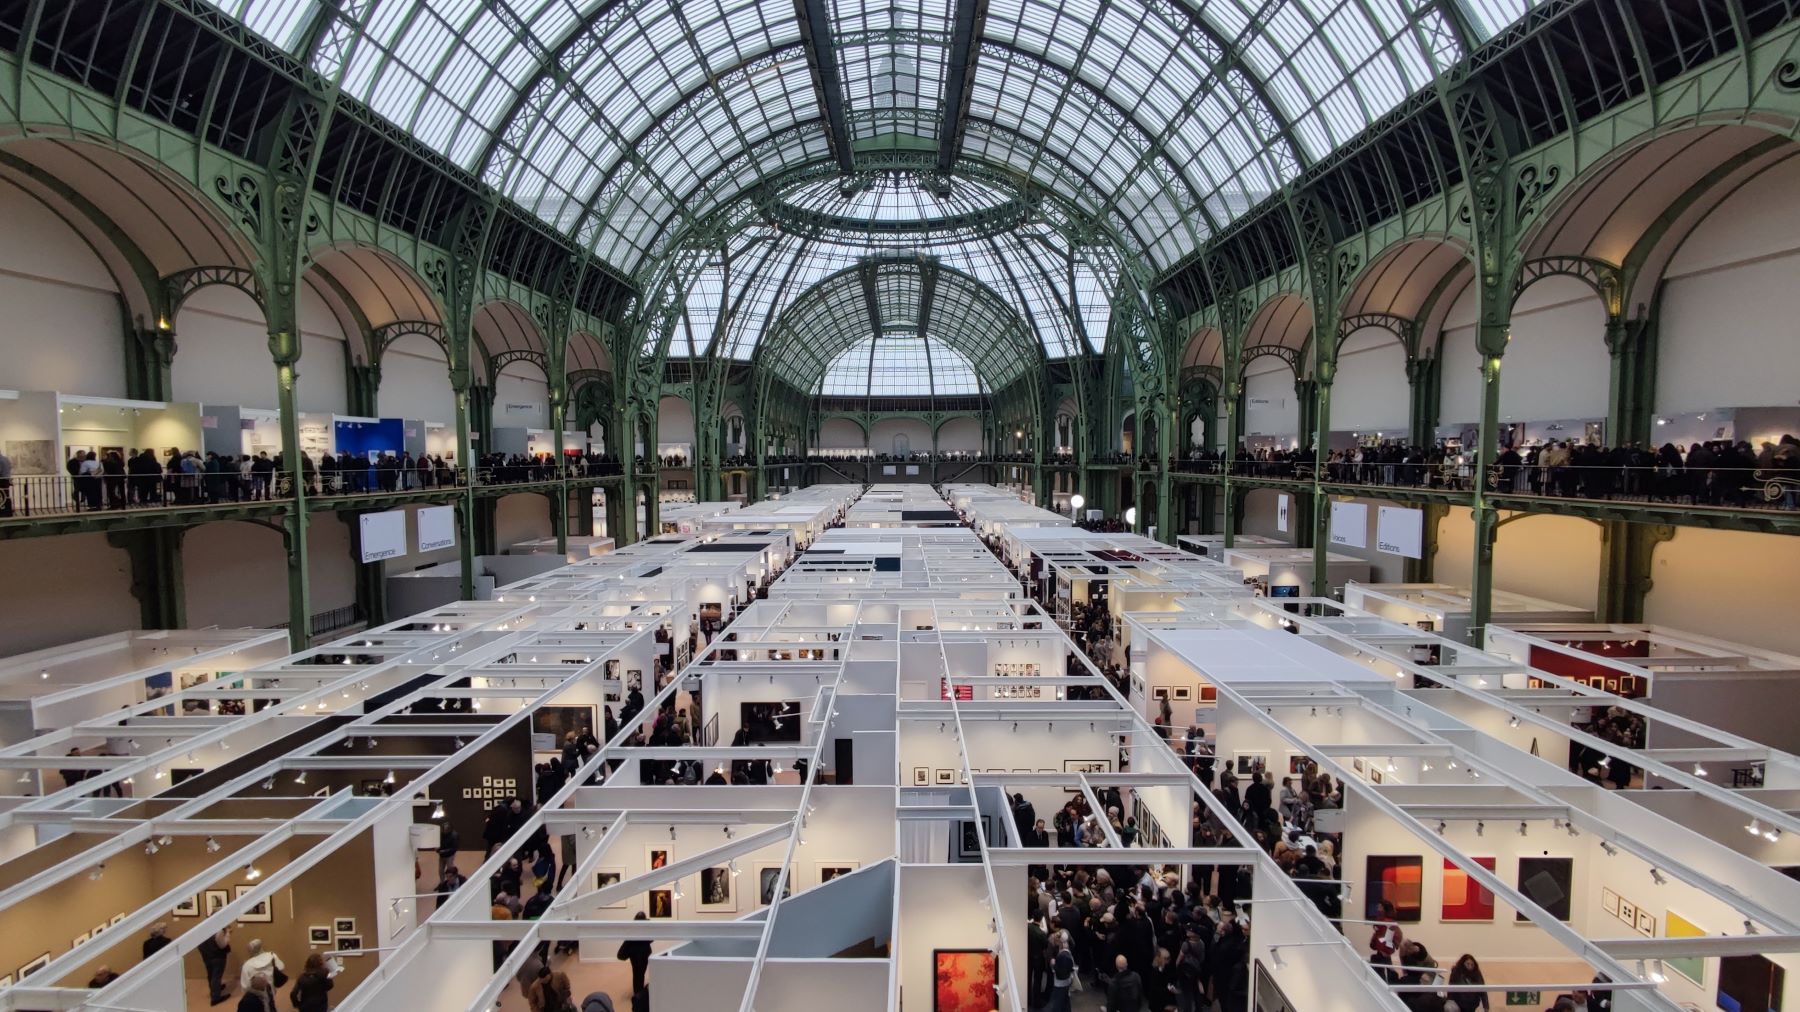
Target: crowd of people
{"points": [[1713, 473]]}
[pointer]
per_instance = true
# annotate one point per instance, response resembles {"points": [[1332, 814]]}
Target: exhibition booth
{"points": [[685, 516], [1288, 572], [1212, 546], [898, 562], [1440, 607], [580, 546]]}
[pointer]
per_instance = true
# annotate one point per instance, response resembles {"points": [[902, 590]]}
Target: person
{"points": [[312, 990], [448, 841], [551, 994], [637, 951], [6, 473], [1190, 972], [1385, 940], [1126, 992], [213, 954], [450, 882], [158, 940], [599, 1001], [102, 976], [259, 996], [259, 962], [1062, 972], [1467, 971]]}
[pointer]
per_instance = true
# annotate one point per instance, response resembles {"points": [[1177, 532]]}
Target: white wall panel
{"points": [[1730, 584], [235, 575], [63, 589], [1556, 365], [222, 352], [64, 322], [959, 435], [415, 382], [521, 398], [1370, 392], [674, 421], [840, 434], [1270, 381], [1555, 558]]}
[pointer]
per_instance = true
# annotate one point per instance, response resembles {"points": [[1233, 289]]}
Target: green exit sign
{"points": [[1524, 997]]}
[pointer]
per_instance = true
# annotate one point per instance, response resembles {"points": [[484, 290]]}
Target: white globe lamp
{"points": [[1131, 516]]}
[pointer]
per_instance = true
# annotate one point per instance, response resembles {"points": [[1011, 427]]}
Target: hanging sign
{"points": [[1350, 524], [383, 535], [1400, 531], [1281, 512], [437, 528]]}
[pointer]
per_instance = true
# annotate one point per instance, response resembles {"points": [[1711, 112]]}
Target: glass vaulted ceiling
{"points": [[623, 120]]}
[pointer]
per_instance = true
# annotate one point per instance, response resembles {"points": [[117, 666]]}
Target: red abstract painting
{"points": [[1464, 898], [963, 980]]}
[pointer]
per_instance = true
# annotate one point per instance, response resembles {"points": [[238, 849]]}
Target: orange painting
{"points": [[1464, 898], [963, 980]]}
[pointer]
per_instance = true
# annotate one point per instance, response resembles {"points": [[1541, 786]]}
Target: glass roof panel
{"points": [[279, 21]]}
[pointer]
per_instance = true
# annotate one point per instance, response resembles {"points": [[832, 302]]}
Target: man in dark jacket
{"points": [[1126, 992], [637, 952], [213, 954]]}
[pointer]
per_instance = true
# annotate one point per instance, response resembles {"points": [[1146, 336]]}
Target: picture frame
{"points": [[1159, 692], [6, 980], [1246, 763], [117, 919], [1087, 765], [604, 877], [718, 890], [829, 870], [656, 856], [34, 966], [1609, 901], [1627, 912], [766, 874], [1181, 693], [968, 838], [946, 776], [921, 776], [1357, 764], [1398, 879], [1691, 967], [343, 926], [1461, 897], [214, 900], [258, 913], [1646, 923], [964, 980], [189, 907], [78, 940], [349, 946], [98, 928], [659, 904], [1549, 882], [318, 934]]}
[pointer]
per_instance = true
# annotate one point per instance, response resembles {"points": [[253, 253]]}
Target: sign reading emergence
{"points": [[383, 535]]}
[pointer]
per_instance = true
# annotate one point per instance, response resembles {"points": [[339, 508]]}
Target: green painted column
{"points": [[362, 388], [1425, 385], [465, 503], [559, 500], [1234, 434], [295, 521], [156, 574], [149, 359], [1321, 503], [1486, 518], [1626, 552]]}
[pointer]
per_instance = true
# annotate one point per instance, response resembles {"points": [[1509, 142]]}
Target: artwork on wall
{"points": [[921, 776], [343, 925], [1746, 984], [1181, 692], [34, 966], [1247, 763], [963, 980], [318, 934], [946, 776], [1298, 764], [659, 904], [766, 877], [1646, 923], [609, 876], [656, 856], [78, 940], [1549, 882], [189, 907], [829, 870], [1677, 926], [349, 945], [1627, 912], [716, 889], [216, 900], [1159, 692], [1087, 765], [968, 843], [1464, 898], [1374, 776], [1609, 902], [558, 721], [1400, 881], [258, 912]]}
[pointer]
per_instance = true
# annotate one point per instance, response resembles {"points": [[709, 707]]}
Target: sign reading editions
{"points": [[437, 528], [1400, 531], [1350, 524], [383, 535]]}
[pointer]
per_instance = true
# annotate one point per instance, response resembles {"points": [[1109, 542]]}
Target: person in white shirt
{"points": [[259, 962]]}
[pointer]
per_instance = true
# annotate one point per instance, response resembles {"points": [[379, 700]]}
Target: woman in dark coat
{"points": [[313, 988]]}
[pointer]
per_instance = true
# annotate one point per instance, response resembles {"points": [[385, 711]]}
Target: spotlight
{"points": [[1658, 877], [1480, 828], [95, 872], [1611, 851], [1572, 830], [301, 778], [1514, 722], [165, 840], [1275, 957], [1657, 974], [1442, 825], [1699, 770], [252, 872], [1753, 828], [269, 784], [212, 845], [150, 847], [1524, 830], [437, 812], [677, 891], [389, 778], [587, 832], [734, 868]]}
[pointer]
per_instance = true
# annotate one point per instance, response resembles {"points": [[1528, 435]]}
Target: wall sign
{"points": [[1400, 531], [1281, 512], [437, 528], [383, 535], [1350, 524]]}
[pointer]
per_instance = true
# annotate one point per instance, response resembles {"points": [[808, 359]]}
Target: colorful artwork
{"points": [[1464, 898], [1549, 882], [963, 980], [1399, 880], [1677, 926]]}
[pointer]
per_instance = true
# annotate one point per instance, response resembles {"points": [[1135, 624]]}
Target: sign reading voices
{"points": [[383, 535], [1400, 531], [437, 528], [1350, 524]]}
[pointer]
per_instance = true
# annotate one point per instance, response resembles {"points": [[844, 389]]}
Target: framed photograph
{"points": [[487, 781], [656, 856], [34, 966], [78, 940], [1627, 912], [1646, 923], [1374, 776], [968, 838], [604, 877], [1400, 881], [1247, 763], [1297, 764], [117, 919], [1550, 883], [6, 980], [659, 904], [964, 980], [349, 945], [189, 907], [1464, 898], [215, 901], [766, 876], [468, 793], [718, 889], [343, 925], [1609, 902], [1159, 692], [946, 776], [97, 929], [258, 913], [829, 870], [1087, 765], [318, 934], [1357, 764], [1181, 693], [921, 776], [1677, 926]]}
